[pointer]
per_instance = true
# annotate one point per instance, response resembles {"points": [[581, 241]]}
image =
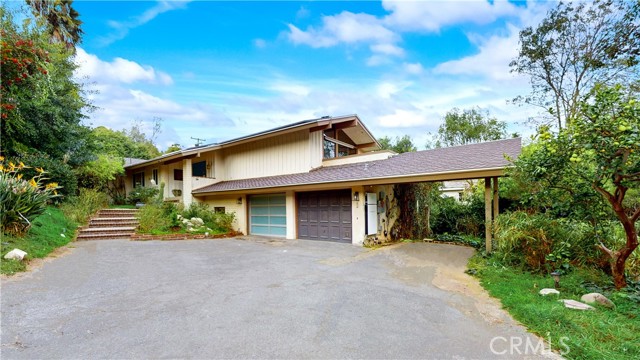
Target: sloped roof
{"points": [[457, 159], [132, 161]]}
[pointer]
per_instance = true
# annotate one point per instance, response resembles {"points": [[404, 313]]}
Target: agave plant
{"points": [[22, 200]]}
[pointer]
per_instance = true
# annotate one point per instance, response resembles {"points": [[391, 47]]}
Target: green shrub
{"points": [[21, 201], [80, 208], [152, 217], [541, 242], [142, 194], [450, 216], [57, 172]]}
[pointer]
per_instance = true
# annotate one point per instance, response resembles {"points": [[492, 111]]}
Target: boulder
{"points": [[547, 291], [572, 304], [197, 221], [597, 298], [15, 254]]}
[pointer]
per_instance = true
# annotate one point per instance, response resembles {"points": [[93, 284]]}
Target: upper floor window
{"points": [[177, 174], [199, 169], [337, 144]]}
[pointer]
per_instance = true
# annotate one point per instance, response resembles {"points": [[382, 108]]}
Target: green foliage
{"points": [[99, 172], [62, 20], [162, 218], [44, 106], [80, 208], [586, 170], [414, 203], [540, 242], [124, 143], [469, 126], [576, 46], [44, 236], [22, 200], [601, 334], [454, 217], [399, 144], [142, 194], [57, 171]]}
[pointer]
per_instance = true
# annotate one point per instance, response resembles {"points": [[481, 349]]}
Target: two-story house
{"points": [[323, 179]]}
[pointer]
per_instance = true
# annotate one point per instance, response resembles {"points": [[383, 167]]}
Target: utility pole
{"points": [[198, 140]]}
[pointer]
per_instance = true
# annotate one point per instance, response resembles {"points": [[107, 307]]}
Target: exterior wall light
{"points": [[356, 196], [239, 201]]}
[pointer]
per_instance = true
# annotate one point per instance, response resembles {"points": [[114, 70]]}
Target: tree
{"points": [[172, 148], [62, 20], [42, 104], [468, 126], [595, 162], [577, 45], [399, 144]]}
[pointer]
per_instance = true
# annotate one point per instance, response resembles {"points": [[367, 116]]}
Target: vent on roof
{"points": [[326, 117]]}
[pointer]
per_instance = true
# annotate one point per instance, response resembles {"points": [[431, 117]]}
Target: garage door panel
{"points": [[325, 215], [267, 215]]}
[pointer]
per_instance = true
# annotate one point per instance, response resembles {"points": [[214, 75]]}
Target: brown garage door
{"points": [[325, 215]]}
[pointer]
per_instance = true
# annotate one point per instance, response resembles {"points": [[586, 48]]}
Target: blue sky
{"points": [[217, 70]]}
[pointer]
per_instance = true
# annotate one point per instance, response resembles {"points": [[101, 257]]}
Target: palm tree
{"points": [[62, 18]]}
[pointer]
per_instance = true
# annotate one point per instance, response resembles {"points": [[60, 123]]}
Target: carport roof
{"points": [[457, 162]]}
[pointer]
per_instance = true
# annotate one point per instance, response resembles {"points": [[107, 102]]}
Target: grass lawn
{"points": [[44, 236], [125, 206], [600, 334]]}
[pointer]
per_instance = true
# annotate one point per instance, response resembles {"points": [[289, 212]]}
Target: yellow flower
{"points": [[21, 165], [40, 170], [52, 185], [11, 166], [1, 168], [33, 183], [1, 158], [19, 176]]}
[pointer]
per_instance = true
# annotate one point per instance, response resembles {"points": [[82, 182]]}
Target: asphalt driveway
{"points": [[253, 298]]}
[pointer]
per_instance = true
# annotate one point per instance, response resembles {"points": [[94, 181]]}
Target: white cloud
{"points": [[413, 68], [260, 43], [403, 118], [387, 49], [345, 27], [117, 71], [433, 15], [121, 28], [492, 60]]}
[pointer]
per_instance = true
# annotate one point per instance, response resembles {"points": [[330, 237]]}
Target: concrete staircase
{"points": [[110, 224]]}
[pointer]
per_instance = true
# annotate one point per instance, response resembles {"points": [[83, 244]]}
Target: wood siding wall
{"points": [[285, 154]]}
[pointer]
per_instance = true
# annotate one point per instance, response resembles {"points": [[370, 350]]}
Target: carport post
{"points": [[496, 209], [487, 213]]}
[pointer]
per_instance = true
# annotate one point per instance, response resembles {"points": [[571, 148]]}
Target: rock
{"points": [[15, 254], [547, 291], [572, 304], [197, 221], [598, 298]]}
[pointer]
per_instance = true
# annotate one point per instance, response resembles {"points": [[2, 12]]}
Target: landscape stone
{"points": [[547, 291], [598, 298], [15, 254], [572, 304]]}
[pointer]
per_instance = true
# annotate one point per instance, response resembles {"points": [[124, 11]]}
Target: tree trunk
{"points": [[619, 258]]}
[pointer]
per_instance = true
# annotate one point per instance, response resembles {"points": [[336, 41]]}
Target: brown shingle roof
{"points": [[489, 155]]}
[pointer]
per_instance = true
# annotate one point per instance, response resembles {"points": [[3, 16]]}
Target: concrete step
{"points": [[110, 236], [115, 229], [112, 222], [111, 213]]}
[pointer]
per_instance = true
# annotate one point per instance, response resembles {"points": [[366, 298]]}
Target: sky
{"points": [[217, 70]]}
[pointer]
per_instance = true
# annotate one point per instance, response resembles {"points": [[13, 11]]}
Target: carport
{"points": [[487, 161]]}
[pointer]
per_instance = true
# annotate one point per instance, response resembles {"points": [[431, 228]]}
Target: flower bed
{"points": [[145, 237]]}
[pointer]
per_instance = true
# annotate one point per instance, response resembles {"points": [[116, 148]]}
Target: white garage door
{"points": [[268, 215]]}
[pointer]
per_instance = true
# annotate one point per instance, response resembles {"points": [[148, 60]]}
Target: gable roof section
{"points": [[458, 162], [323, 121]]}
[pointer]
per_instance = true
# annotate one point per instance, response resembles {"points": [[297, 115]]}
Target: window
{"points": [[154, 176], [219, 209], [177, 174], [199, 169], [138, 179], [337, 144]]}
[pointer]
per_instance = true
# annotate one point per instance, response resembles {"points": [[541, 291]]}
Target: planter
{"points": [[176, 192]]}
